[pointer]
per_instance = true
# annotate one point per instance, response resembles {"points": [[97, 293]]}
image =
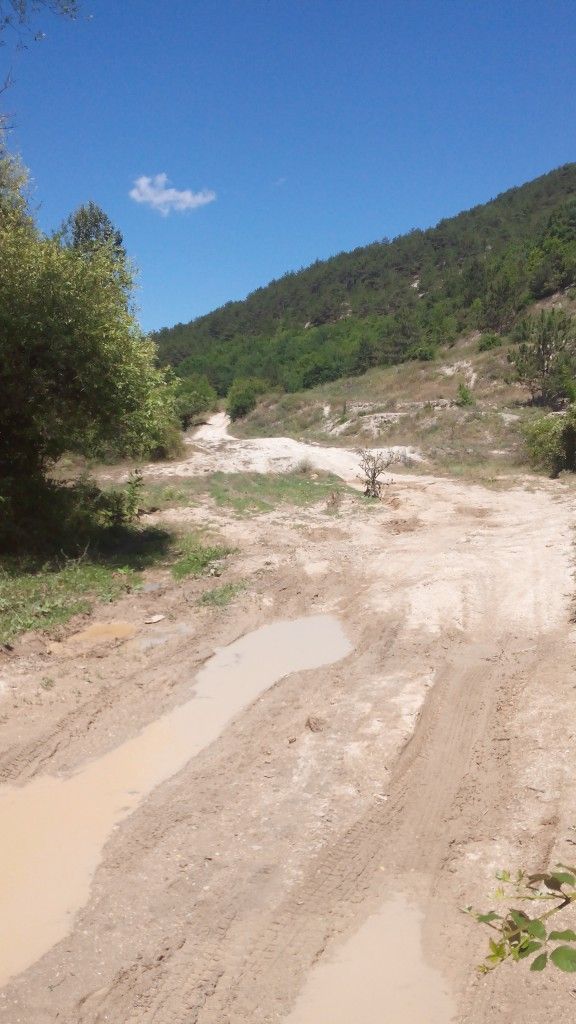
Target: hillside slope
{"points": [[391, 300]]}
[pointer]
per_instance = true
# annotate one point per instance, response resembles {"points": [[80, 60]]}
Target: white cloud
{"points": [[155, 192]]}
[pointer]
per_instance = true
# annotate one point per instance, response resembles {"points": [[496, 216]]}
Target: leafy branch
{"points": [[517, 935]]}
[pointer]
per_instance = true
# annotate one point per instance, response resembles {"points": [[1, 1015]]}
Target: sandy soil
{"points": [[439, 750], [215, 449]]}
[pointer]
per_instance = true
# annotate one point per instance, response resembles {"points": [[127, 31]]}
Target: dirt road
{"points": [[440, 749]]}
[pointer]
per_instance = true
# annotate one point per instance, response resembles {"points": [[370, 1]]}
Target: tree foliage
{"points": [[545, 360], [89, 227], [242, 397], [392, 300], [194, 395], [551, 441], [76, 374]]}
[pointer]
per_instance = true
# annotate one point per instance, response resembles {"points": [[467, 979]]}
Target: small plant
{"points": [[47, 683], [464, 396], [517, 936], [373, 464], [220, 597], [121, 507], [333, 502], [489, 341], [196, 557]]}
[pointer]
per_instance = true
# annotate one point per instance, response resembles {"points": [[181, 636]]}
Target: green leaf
{"points": [[520, 919], [539, 963], [564, 878], [564, 957], [536, 928], [553, 883], [487, 918], [566, 936], [568, 867], [530, 947]]}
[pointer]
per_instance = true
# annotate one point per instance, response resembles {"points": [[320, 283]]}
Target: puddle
{"points": [[379, 976], [157, 637], [53, 829], [104, 631]]}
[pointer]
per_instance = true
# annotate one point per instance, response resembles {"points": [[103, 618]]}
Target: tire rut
{"points": [[406, 833]]}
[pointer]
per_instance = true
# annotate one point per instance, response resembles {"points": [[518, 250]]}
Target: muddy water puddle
{"points": [[53, 829], [99, 632], [379, 976]]}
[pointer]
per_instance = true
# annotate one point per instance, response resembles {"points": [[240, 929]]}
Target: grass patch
{"points": [[39, 594], [249, 493], [220, 597], [49, 596], [194, 557], [185, 494], [263, 492]]}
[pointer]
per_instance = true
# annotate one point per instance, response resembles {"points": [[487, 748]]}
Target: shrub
{"points": [[551, 442], [489, 341], [424, 351], [373, 464], [465, 396], [194, 395], [55, 517], [242, 396]]}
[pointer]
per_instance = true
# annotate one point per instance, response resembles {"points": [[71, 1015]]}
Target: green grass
{"points": [[194, 557], [36, 595], [249, 493], [185, 494], [49, 596], [260, 492], [220, 597]]}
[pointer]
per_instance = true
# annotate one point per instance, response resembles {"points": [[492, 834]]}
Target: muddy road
{"points": [[317, 845]]}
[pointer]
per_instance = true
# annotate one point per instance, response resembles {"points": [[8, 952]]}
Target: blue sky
{"points": [[290, 129]]}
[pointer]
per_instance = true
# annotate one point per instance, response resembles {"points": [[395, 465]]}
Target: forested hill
{"points": [[391, 300]]}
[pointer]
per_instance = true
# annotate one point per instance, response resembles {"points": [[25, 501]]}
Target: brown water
{"points": [[53, 829], [101, 631], [379, 976]]}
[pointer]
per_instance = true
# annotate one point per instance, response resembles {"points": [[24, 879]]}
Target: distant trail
{"points": [[216, 450]]}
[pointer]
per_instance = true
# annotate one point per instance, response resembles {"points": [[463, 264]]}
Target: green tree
{"points": [[13, 186], [89, 227], [194, 395], [76, 374], [242, 397], [545, 360]]}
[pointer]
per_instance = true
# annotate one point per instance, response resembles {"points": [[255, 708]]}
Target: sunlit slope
{"points": [[392, 300]]}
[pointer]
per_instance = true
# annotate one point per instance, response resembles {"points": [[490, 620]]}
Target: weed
{"points": [[465, 396], [195, 557], [333, 502], [220, 597]]}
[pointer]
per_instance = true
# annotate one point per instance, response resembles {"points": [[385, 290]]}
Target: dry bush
{"points": [[373, 464]]}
